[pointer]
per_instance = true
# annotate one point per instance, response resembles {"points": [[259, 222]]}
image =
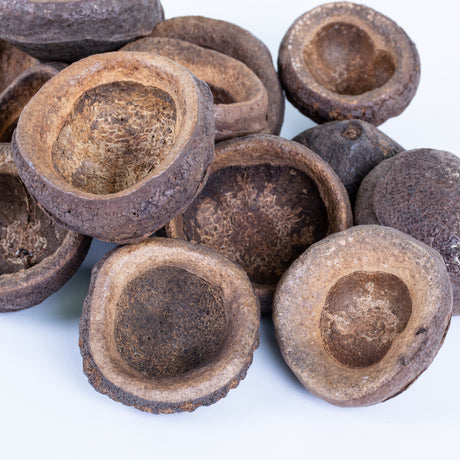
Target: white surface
{"points": [[49, 411]]}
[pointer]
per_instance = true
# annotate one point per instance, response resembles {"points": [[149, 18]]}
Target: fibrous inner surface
{"points": [[261, 217], [168, 322], [27, 234], [115, 135]]}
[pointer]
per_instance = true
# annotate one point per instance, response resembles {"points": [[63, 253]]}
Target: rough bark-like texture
{"points": [[343, 60], [361, 314], [240, 98], [266, 201], [107, 175], [238, 43], [37, 257], [177, 331], [352, 147], [418, 192], [64, 30], [18, 93]]}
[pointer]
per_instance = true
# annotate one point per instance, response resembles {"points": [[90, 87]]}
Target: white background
{"points": [[49, 411]]}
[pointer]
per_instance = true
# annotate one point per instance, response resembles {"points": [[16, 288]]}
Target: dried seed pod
{"points": [[117, 144], [238, 43], [343, 60], [352, 147], [361, 314], [240, 98], [14, 98], [12, 63], [177, 331], [37, 257], [266, 201], [418, 192], [69, 30]]}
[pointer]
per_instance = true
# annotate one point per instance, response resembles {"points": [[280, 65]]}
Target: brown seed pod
{"points": [[168, 326], [418, 192], [361, 314], [14, 98], [267, 199], [69, 30], [352, 147], [117, 144], [36, 256], [12, 63], [237, 43], [240, 98], [343, 60]]}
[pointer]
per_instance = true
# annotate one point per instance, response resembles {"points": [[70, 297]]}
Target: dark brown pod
{"points": [[12, 63], [361, 314], [168, 326], [343, 60], [69, 30], [240, 98], [418, 192], [237, 43], [14, 98], [37, 257], [117, 144], [352, 147], [266, 201]]}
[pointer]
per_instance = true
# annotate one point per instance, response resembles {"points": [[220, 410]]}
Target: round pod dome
{"points": [[69, 30], [240, 98], [117, 144], [37, 257], [267, 199], [238, 43], [352, 147], [361, 314], [343, 60], [418, 193], [168, 326]]}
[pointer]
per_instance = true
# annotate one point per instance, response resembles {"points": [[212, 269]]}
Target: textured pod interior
{"points": [[261, 217], [115, 135], [344, 58], [27, 234], [363, 314], [169, 321]]}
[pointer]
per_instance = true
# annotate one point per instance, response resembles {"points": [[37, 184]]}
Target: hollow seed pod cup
{"points": [[168, 326], [361, 314], [343, 60], [117, 144]]}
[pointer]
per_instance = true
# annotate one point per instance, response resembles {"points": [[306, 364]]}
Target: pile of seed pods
{"points": [[117, 124]]}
